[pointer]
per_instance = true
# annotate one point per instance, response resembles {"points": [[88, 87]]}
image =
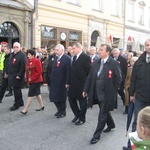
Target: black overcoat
{"points": [[59, 77], [112, 80], [16, 68], [79, 72]]}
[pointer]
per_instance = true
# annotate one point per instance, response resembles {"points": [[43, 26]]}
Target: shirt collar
{"points": [[78, 55], [105, 59]]}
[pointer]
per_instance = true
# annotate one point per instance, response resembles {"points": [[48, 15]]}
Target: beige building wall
{"points": [[60, 13], [49, 15]]}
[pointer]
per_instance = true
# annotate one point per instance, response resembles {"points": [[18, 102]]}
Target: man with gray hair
{"points": [[123, 65], [93, 55], [60, 80], [16, 73]]}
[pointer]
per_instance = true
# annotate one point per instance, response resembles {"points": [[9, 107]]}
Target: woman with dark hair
{"points": [[34, 79]]}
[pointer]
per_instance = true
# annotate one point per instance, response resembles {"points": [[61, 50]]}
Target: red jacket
{"points": [[33, 71]]}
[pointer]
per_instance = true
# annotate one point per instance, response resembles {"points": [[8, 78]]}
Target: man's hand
{"points": [[17, 77], [67, 86], [132, 98], [84, 94]]}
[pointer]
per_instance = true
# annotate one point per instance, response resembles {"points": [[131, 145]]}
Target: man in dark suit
{"points": [[16, 73], [80, 68], [123, 65], [60, 80], [101, 87]]}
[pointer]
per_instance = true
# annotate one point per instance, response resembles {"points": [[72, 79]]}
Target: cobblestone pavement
{"points": [[42, 131]]}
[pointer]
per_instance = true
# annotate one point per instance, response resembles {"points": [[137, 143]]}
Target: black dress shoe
{"points": [[75, 119], [108, 129], [9, 94], [13, 108], [126, 148], [61, 115], [56, 114], [24, 113], [94, 140], [40, 109], [79, 122], [21, 105]]}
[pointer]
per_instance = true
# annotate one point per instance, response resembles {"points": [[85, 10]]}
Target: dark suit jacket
{"points": [[79, 73], [112, 80], [95, 58], [60, 75], [123, 65], [17, 68]]}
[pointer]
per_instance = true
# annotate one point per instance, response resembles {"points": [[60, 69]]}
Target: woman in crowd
{"points": [[34, 78], [127, 83]]}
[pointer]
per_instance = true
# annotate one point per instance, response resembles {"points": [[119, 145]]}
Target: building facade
{"points": [[67, 21], [15, 22], [137, 24]]}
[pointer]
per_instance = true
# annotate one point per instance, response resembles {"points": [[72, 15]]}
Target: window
{"points": [[8, 29], [94, 37], [76, 2], [130, 11], [115, 7], [141, 15], [97, 4]]}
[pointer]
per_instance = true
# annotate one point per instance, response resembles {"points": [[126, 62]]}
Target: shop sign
{"points": [[48, 34], [74, 36]]}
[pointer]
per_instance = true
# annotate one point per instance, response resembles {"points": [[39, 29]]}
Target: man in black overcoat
{"points": [[16, 73], [101, 87], [123, 65], [81, 66], [60, 80]]}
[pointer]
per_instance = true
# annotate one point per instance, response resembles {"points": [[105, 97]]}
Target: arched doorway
{"points": [[9, 33], [94, 37]]}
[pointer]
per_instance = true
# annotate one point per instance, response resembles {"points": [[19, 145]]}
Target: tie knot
{"points": [[148, 59]]}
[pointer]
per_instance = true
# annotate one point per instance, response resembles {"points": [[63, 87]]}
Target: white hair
{"points": [[116, 50], [60, 46]]}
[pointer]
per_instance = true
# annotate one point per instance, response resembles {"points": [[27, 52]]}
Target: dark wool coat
{"points": [[16, 68], [112, 80], [59, 77], [79, 73], [140, 79]]}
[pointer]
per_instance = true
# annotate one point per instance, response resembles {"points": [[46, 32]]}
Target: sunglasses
{"points": [[44, 54]]}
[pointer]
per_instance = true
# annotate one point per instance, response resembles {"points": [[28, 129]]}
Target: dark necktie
{"points": [[148, 59], [100, 68], [74, 59]]}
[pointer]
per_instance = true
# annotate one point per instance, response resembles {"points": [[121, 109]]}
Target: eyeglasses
{"points": [[15, 47], [44, 54]]}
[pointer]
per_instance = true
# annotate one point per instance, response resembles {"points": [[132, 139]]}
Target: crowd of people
{"points": [[96, 77]]}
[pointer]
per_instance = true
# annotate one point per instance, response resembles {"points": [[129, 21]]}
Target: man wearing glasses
{"points": [[16, 73]]}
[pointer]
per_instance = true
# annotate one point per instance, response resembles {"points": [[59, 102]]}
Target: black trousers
{"points": [[103, 119], [18, 97], [121, 92], [3, 88], [61, 107], [79, 111]]}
